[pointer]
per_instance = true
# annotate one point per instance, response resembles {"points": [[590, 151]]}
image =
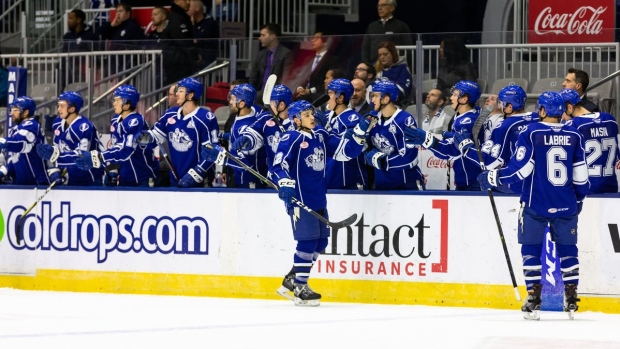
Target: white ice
{"points": [[34, 319]]}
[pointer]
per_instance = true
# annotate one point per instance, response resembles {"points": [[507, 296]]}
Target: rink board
{"points": [[434, 248]]}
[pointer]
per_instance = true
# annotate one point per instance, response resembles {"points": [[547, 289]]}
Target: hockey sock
{"points": [[320, 247], [302, 262], [532, 267], [569, 263]]}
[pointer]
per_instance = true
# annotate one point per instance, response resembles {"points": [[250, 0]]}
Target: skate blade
{"points": [[534, 315], [286, 293], [571, 314], [310, 303]]}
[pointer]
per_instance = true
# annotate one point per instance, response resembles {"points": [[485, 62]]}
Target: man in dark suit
{"points": [[358, 101], [273, 59], [578, 80], [313, 85]]}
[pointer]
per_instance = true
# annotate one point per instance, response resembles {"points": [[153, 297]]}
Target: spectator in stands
{"points": [[366, 72], [495, 116], [158, 19], [392, 29], [578, 80], [274, 59], [436, 120], [206, 30], [80, 36], [313, 85], [454, 64], [123, 31], [358, 99], [177, 40], [332, 74], [392, 67]]}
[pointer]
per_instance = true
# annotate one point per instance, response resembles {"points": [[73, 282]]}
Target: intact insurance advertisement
{"points": [[571, 21], [408, 238]]}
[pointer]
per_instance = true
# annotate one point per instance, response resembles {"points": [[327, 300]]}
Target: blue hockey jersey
{"points": [[550, 161], [256, 160], [345, 174], [266, 132], [23, 163]]}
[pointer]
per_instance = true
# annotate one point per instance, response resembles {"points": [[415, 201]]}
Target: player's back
{"points": [[600, 131]]}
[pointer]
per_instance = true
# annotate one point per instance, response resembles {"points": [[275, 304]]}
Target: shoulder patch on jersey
{"points": [[27, 123], [466, 121], [303, 145], [84, 127], [409, 121], [210, 115], [56, 132], [285, 137], [133, 122], [353, 117], [171, 121], [112, 129], [270, 123]]}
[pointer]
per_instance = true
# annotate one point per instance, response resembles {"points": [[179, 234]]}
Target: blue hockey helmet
{"points": [[385, 86], [469, 88], [73, 99], [513, 95], [25, 103], [128, 94], [192, 85], [341, 86], [244, 92], [281, 93], [552, 102], [296, 108], [570, 96]]}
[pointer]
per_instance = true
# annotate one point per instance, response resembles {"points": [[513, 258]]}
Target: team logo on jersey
{"points": [[409, 121], [210, 115], [465, 121], [172, 121], [285, 137], [353, 117], [56, 132], [273, 141], [26, 123], [336, 127], [191, 124], [180, 140], [83, 127], [392, 129], [316, 161], [63, 147], [303, 145], [112, 129], [382, 143], [270, 123], [133, 122]]}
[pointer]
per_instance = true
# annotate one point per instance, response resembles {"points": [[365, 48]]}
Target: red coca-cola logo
{"points": [[434, 162], [571, 21], [585, 20]]}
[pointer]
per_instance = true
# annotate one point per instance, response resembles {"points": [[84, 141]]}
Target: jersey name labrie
{"points": [[557, 140]]}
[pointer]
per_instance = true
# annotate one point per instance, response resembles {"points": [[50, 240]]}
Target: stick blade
{"points": [[345, 223], [271, 82], [19, 234], [320, 101]]}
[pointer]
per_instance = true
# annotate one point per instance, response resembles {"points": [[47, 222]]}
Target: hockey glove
{"points": [[48, 152], [320, 118], [213, 153], [111, 179], [363, 126], [191, 179], [241, 143], [376, 159], [145, 139], [55, 175], [88, 159], [447, 134], [463, 141], [223, 136], [489, 179], [286, 190], [418, 136]]}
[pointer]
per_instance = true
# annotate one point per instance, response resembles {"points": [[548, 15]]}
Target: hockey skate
{"points": [[531, 306], [287, 287], [570, 300], [304, 296]]}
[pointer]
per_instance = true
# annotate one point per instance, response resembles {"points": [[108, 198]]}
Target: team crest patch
{"points": [[133, 122], [270, 123], [465, 121], [83, 127], [392, 129], [353, 117], [56, 132], [112, 129], [171, 121], [409, 121], [303, 145]]}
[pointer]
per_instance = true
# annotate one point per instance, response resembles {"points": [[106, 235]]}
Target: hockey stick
{"points": [[163, 152], [271, 82], [320, 101], [333, 225], [20, 223], [480, 120], [499, 225]]}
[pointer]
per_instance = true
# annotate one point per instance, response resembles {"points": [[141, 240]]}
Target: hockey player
{"points": [[187, 128], [241, 100], [348, 174], [551, 163], [599, 132], [466, 164], [269, 127], [24, 165], [299, 169], [138, 165], [72, 132], [395, 163]]}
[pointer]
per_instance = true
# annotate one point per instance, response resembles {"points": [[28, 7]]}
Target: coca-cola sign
{"points": [[571, 21]]}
